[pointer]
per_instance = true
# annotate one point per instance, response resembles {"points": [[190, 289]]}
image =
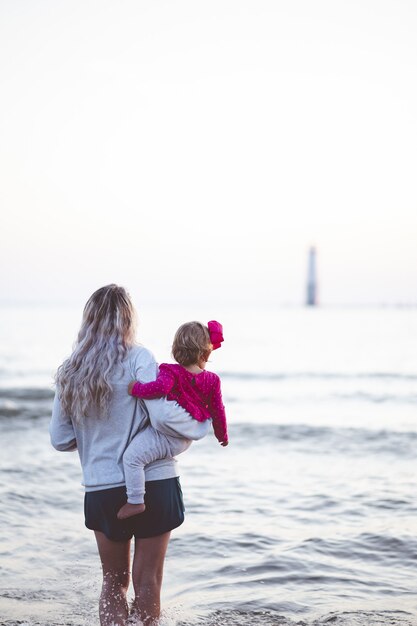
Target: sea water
{"points": [[309, 515]]}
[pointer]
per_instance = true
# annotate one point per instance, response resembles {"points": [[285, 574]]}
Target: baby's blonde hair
{"points": [[191, 344]]}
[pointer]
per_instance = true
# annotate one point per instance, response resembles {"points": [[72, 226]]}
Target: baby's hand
{"points": [[224, 443], [130, 387]]}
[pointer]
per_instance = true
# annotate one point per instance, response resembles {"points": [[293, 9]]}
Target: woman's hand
{"points": [[130, 387]]}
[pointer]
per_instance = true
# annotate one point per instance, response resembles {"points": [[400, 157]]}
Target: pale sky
{"points": [[195, 150]]}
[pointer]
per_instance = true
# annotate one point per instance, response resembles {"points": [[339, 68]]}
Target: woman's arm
{"points": [[61, 429]]}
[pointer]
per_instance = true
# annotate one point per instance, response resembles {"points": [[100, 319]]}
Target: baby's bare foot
{"points": [[128, 510]]}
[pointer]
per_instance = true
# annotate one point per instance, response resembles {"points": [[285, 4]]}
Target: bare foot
{"points": [[128, 510]]}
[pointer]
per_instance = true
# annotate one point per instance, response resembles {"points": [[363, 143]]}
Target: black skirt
{"points": [[164, 511]]}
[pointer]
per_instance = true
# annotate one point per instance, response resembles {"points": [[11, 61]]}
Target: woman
{"points": [[94, 414]]}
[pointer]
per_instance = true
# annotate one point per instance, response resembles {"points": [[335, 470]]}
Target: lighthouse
{"points": [[311, 278]]}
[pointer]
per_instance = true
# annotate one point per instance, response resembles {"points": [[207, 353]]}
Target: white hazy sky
{"points": [[194, 150]]}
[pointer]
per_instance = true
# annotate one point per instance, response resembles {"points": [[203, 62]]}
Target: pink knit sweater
{"points": [[199, 394]]}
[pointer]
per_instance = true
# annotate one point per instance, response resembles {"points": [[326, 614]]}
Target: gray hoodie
{"points": [[101, 441]]}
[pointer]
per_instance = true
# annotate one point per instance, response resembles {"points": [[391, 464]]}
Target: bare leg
{"points": [[147, 572], [115, 560]]}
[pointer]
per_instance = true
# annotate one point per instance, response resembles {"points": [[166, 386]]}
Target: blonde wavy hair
{"points": [[107, 332]]}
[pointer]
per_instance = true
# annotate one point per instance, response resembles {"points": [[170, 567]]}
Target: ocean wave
{"points": [[27, 403], [239, 617], [380, 549], [318, 375], [26, 393], [26, 595], [355, 441], [337, 388], [378, 398], [271, 618]]}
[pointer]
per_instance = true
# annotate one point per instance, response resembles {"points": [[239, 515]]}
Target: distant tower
{"points": [[311, 278]]}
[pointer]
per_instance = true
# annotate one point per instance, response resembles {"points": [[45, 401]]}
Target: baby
{"points": [[189, 384]]}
